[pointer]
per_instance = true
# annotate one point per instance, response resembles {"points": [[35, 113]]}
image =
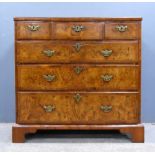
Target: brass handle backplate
{"points": [[78, 28], [106, 53], [106, 108], [49, 108], [121, 28], [49, 77], [78, 69], [48, 53], [107, 77], [77, 98], [33, 27], [77, 46]]}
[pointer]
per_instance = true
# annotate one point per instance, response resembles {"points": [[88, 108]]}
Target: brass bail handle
{"points": [[107, 77], [106, 108], [49, 77], [121, 28], [33, 27], [78, 28], [49, 108], [48, 53], [106, 53]]}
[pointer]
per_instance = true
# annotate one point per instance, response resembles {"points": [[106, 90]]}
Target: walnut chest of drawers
{"points": [[78, 74]]}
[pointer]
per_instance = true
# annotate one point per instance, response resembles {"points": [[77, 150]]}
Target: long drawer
{"points": [[77, 77], [75, 108], [75, 52]]}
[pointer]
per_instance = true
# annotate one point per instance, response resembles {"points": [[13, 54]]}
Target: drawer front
{"points": [[33, 30], [77, 77], [73, 52], [121, 30], [78, 30], [74, 108]]}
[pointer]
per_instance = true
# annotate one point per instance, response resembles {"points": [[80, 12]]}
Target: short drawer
{"points": [[74, 52], [78, 77], [33, 30], [78, 30], [121, 30], [78, 108]]}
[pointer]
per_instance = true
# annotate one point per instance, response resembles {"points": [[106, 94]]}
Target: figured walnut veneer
{"points": [[78, 74]]}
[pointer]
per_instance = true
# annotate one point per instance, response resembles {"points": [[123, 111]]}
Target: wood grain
{"points": [[33, 92], [30, 77], [136, 132], [77, 19], [130, 33], [22, 31], [92, 31], [65, 52], [125, 108]]}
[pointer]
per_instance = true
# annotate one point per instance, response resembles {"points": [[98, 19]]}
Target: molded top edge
{"points": [[77, 18]]}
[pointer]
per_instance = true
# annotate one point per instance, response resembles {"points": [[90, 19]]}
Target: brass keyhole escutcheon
{"points": [[78, 69], [77, 97], [77, 46]]}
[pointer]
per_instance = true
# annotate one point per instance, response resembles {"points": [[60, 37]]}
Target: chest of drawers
{"points": [[78, 74]]}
